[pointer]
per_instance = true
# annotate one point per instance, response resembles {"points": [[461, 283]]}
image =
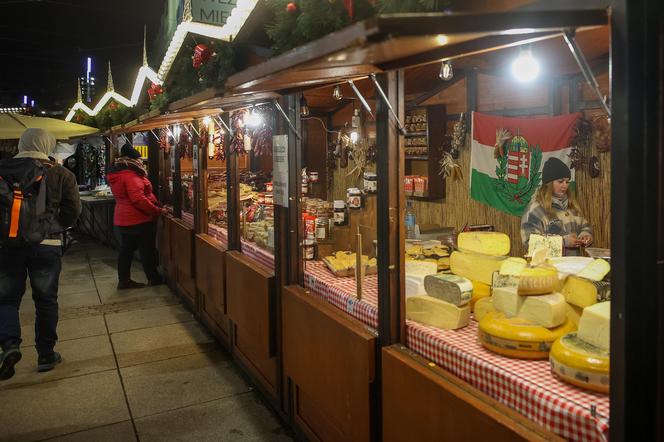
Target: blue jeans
{"points": [[43, 264]]}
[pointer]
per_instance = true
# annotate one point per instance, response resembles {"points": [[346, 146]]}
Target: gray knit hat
{"points": [[554, 169]]}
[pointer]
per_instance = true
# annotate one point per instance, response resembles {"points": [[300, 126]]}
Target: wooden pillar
{"points": [[154, 166], [232, 190], [177, 180]]}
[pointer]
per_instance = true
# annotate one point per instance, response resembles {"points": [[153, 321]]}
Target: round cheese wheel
{"points": [[519, 338], [538, 280], [579, 363]]}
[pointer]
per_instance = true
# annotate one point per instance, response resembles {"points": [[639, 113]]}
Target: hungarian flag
{"points": [[507, 183]]}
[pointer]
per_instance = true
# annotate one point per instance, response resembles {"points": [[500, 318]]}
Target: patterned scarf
{"points": [[560, 202], [124, 163]]}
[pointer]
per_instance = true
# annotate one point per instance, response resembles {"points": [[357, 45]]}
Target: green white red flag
{"points": [[509, 182]]}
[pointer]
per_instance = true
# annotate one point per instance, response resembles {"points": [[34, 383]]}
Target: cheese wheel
{"points": [[436, 313], [518, 337], [513, 266], [584, 292], [486, 243], [475, 266], [482, 307], [454, 289], [480, 291], [538, 280], [580, 363]]}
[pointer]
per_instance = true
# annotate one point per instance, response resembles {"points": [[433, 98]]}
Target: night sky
{"points": [[44, 45]]}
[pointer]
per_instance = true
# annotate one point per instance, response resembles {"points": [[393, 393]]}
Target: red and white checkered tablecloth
{"points": [[525, 386], [253, 251], [220, 234], [341, 292]]}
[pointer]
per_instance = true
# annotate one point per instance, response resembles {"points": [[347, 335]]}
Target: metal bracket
{"points": [[585, 68], [290, 124], [155, 135], [223, 124], [361, 97], [401, 127], [194, 129], [188, 131]]}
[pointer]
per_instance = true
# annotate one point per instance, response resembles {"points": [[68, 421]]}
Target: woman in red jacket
{"points": [[136, 213]]}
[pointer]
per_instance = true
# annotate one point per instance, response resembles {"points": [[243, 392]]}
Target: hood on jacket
{"points": [[36, 143]]}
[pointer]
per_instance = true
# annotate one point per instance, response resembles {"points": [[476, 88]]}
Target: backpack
{"points": [[22, 202]]}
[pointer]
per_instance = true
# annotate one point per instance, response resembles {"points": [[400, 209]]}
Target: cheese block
{"points": [[553, 243], [482, 307], [436, 313], [583, 292], [573, 313], [487, 243], [580, 363], [513, 266], [507, 300], [518, 337], [569, 265], [504, 280], [475, 266], [539, 256], [546, 310], [538, 280], [596, 270], [480, 290], [416, 271], [595, 325], [454, 289]]}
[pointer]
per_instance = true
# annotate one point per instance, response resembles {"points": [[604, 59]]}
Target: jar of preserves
{"points": [[308, 249], [354, 198], [340, 216], [370, 182], [321, 227]]}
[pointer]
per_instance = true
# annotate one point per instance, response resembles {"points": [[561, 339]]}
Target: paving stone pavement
{"points": [[137, 366]]}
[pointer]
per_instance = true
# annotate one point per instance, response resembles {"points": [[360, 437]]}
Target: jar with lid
{"points": [[313, 177], [340, 216], [309, 224], [354, 198], [370, 182], [322, 224], [308, 250]]}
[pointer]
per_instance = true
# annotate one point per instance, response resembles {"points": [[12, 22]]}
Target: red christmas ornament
{"points": [[154, 91], [202, 53], [113, 105], [291, 7]]}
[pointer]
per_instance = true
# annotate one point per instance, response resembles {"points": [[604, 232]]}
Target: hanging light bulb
{"points": [[336, 94], [254, 119], [354, 136], [206, 120], [446, 71], [525, 67], [304, 107]]}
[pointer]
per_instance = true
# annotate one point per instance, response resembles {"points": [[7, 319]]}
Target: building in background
{"points": [[88, 82]]}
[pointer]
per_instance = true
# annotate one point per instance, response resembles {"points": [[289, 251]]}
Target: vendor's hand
{"points": [[585, 240], [571, 240], [164, 211]]}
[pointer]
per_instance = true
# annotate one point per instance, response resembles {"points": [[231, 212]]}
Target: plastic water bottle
{"points": [[411, 220]]}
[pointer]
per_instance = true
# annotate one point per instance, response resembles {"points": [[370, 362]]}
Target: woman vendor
{"points": [[555, 211]]}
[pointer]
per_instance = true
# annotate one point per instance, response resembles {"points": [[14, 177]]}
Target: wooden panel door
{"points": [[182, 250], [210, 282]]}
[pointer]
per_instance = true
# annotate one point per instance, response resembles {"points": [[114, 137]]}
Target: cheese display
{"points": [[553, 243], [595, 325], [518, 337], [454, 289], [480, 291], [579, 363], [343, 263], [538, 280], [573, 313], [416, 271], [482, 307], [584, 292], [474, 266], [436, 313], [546, 310], [569, 265], [596, 270], [487, 243], [429, 251], [513, 266], [507, 300], [499, 280]]}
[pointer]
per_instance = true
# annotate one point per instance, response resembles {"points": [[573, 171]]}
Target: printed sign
{"points": [[280, 170], [214, 12]]}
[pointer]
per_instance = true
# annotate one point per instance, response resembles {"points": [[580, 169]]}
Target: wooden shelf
{"points": [[427, 164], [417, 157], [422, 133]]}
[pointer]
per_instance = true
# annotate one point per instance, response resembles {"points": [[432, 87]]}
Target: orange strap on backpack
{"points": [[16, 213]]}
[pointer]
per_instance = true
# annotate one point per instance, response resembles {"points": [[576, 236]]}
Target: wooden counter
{"points": [[182, 256], [211, 285]]}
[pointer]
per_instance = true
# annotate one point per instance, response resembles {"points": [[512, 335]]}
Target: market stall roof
{"points": [[397, 41], [12, 127], [154, 120], [213, 98]]}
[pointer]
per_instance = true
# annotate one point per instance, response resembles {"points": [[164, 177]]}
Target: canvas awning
{"points": [[12, 127]]}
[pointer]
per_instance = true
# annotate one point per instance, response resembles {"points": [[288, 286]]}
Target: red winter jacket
{"points": [[134, 201]]}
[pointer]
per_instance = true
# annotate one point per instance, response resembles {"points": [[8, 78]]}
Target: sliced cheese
{"points": [[507, 301], [487, 243], [553, 243], [454, 289], [474, 266], [482, 307], [480, 291], [596, 270], [584, 292], [436, 313], [546, 310], [512, 266], [573, 313], [595, 325], [580, 363], [518, 337], [538, 280]]}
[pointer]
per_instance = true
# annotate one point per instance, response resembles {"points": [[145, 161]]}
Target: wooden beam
{"points": [[458, 76]]}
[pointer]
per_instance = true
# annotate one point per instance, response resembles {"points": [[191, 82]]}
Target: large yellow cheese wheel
{"points": [[579, 363], [519, 338], [486, 243], [538, 280]]}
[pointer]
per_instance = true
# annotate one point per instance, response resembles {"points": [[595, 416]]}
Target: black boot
{"points": [[124, 285], [8, 360]]}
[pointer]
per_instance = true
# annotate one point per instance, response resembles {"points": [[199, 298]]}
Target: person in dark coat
{"points": [[136, 214]]}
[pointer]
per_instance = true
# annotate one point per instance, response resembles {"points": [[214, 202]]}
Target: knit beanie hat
{"points": [[554, 169], [129, 151]]}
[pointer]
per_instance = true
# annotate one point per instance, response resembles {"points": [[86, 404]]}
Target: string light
{"points": [[336, 93], [304, 107], [446, 71]]}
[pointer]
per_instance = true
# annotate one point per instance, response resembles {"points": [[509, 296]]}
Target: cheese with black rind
{"points": [[436, 313], [517, 337], [579, 363], [584, 292], [454, 289], [474, 266], [486, 243]]}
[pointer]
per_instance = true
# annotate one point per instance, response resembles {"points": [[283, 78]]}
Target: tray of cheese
{"points": [[343, 263]]}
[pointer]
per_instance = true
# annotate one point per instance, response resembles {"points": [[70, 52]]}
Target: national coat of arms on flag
{"points": [[508, 181]]}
